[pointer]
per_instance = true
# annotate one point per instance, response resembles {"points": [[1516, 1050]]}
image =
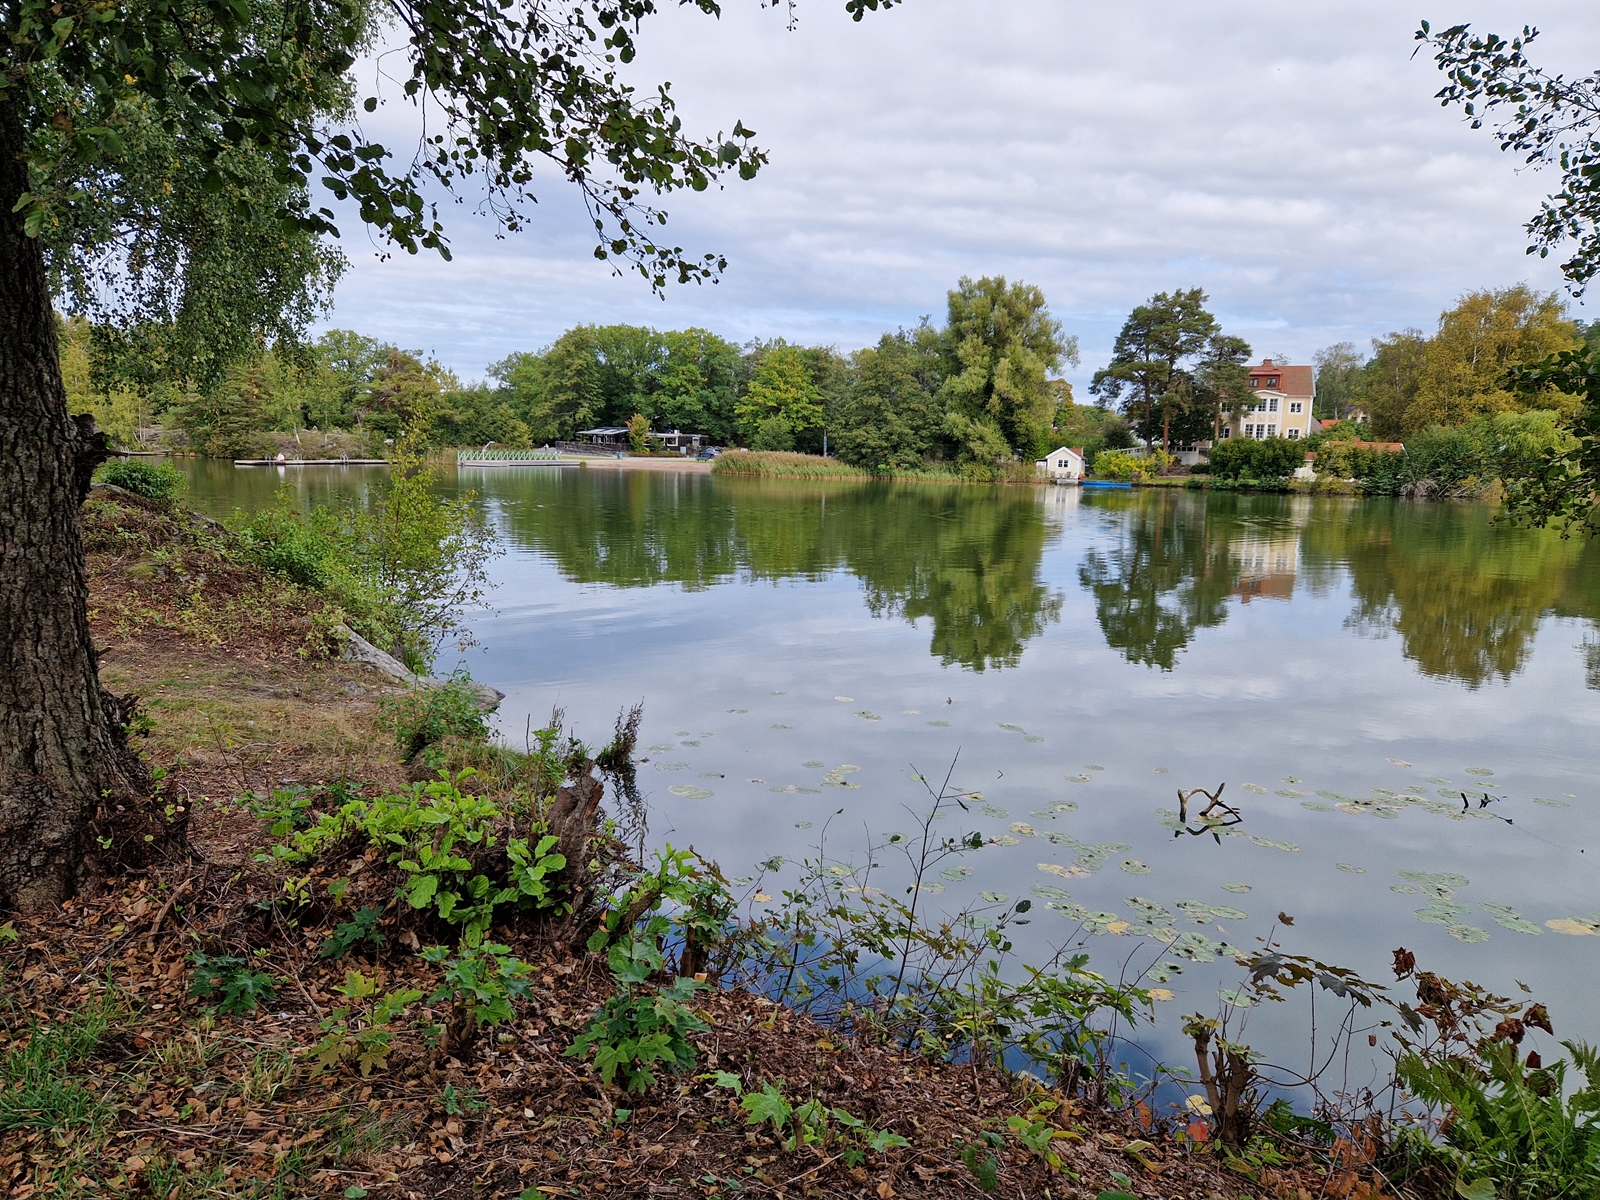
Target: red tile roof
{"points": [[1292, 381]]}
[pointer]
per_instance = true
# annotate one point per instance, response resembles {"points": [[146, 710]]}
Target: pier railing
{"points": [[506, 456]]}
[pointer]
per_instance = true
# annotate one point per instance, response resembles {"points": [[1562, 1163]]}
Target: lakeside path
{"points": [[687, 466]]}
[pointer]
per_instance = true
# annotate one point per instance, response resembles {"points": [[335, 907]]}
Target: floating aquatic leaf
{"points": [[868, 716], [1292, 779], [1548, 803], [1510, 918], [1197, 947], [993, 810], [1288, 847], [1415, 789], [840, 872], [1163, 971], [1101, 922], [1333, 795], [802, 824], [1291, 793], [995, 897], [1354, 870], [1114, 847], [1433, 915], [1315, 806], [738, 710], [1160, 770], [1399, 762], [1576, 926], [1048, 814], [930, 887], [1405, 889], [1236, 998], [1255, 789], [669, 766], [914, 777], [1013, 728], [1436, 779], [845, 699], [1064, 806], [1467, 933], [712, 775], [782, 727], [1005, 839], [1058, 869], [776, 788], [955, 874], [1079, 778], [813, 764], [940, 724], [663, 747], [1021, 828], [1222, 912], [690, 793], [846, 768], [1057, 838], [1048, 891], [809, 791], [1442, 878], [1134, 867], [1033, 737], [689, 743], [1161, 993], [1239, 888], [1479, 771], [1092, 767], [1149, 911]]}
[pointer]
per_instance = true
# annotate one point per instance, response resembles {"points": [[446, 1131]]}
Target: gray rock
{"points": [[358, 649]]}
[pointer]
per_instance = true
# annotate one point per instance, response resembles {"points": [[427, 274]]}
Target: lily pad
{"points": [[1013, 728], [690, 793], [1005, 839], [1576, 926], [662, 747], [1479, 771], [712, 775], [845, 699], [1316, 806], [1162, 972], [1237, 888], [1405, 889], [688, 743], [955, 874], [994, 810], [1021, 828], [1467, 933], [1254, 789], [802, 824], [1291, 793], [868, 716], [1235, 997], [813, 764], [1287, 847], [940, 724], [1134, 867], [1399, 762], [1079, 778], [1092, 767], [995, 897], [738, 710], [1354, 870], [1033, 737], [1160, 770], [1064, 806], [809, 791], [669, 766], [781, 727], [1548, 803], [1048, 891]]}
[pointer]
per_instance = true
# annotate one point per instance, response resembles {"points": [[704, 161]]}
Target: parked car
{"points": [[707, 454]]}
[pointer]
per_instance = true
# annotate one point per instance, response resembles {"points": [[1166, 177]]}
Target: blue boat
{"points": [[1104, 483]]}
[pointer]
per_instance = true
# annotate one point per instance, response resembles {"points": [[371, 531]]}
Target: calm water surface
{"points": [[1348, 668]]}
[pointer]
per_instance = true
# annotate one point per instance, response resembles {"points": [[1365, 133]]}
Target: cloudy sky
{"points": [[1287, 158]]}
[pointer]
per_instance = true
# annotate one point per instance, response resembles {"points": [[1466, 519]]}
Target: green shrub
{"points": [[1517, 1128], [362, 1038], [481, 984], [229, 981], [1249, 458], [428, 833], [640, 1028], [811, 1123], [160, 482], [1121, 467], [424, 716]]}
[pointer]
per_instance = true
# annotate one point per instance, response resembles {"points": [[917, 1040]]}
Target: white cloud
{"points": [[1289, 159]]}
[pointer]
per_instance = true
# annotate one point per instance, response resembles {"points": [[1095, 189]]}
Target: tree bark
{"points": [[63, 748]]}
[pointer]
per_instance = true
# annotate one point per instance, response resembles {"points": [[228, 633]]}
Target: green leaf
{"points": [[1478, 1189], [767, 1105]]}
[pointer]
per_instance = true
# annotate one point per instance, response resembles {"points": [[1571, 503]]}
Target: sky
{"points": [[1288, 158]]}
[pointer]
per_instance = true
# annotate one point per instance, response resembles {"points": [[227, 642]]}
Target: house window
{"points": [[1293, 434], [1226, 432], [1249, 431], [1272, 431], [1296, 406], [1272, 405], [1273, 382]]}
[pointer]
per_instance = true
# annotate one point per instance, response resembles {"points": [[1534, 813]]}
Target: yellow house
{"points": [[1282, 406]]}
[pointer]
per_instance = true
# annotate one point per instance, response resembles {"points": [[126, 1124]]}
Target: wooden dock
{"points": [[311, 462]]}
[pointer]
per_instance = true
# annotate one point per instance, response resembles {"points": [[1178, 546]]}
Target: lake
{"points": [[1349, 668]]}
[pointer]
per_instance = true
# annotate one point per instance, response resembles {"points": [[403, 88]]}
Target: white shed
{"points": [[1062, 465]]}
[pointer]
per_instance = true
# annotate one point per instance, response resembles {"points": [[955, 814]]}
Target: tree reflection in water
{"points": [[1465, 595], [965, 557]]}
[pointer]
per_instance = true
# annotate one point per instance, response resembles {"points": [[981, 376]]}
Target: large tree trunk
{"points": [[62, 745]]}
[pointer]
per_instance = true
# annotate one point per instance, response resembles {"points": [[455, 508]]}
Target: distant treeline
{"points": [[971, 395], [977, 395]]}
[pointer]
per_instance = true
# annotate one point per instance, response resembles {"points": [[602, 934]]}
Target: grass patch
{"points": [[781, 464]]}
